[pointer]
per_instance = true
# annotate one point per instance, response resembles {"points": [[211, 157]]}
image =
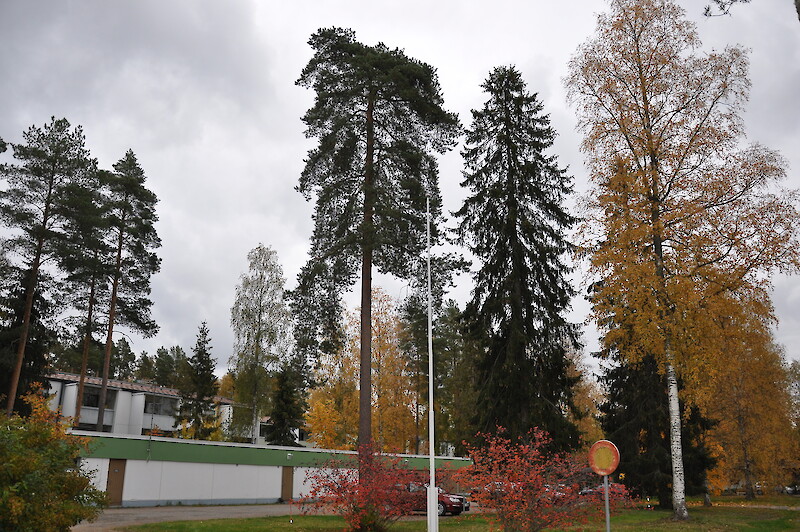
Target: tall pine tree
{"points": [[34, 205], [132, 218], [84, 256], [378, 116], [514, 222]]}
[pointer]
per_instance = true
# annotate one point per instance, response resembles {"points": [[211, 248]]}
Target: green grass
{"points": [[717, 518]]}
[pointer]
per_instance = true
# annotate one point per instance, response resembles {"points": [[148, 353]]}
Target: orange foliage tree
{"points": [[40, 487], [747, 393], [332, 418], [680, 214]]}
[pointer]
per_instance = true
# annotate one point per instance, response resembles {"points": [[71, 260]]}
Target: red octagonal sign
{"points": [[603, 457]]}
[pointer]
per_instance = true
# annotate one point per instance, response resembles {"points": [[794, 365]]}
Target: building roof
{"points": [[140, 386]]}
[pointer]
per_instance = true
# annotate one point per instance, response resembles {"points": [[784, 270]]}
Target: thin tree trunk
{"points": [[112, 311], [29, 293], [681, 512], [87, 337], [749, 488], [365, 377], [23, 337]]}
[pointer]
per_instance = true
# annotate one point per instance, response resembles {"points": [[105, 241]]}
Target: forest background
{"points": [[204, 94]]}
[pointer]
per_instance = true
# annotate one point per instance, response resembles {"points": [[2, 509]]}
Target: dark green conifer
{"points": [[378, 117], [40, 337], [636, 418], [515, 223], [35, 205], [131, 217], [198, 391], [288, 407]]}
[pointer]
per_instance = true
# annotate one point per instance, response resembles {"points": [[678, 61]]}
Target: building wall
{"points": [[163, 483], [167, 471], [125, 416]]}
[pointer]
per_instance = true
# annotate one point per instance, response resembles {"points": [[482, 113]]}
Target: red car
{"points": [[449, 503]]}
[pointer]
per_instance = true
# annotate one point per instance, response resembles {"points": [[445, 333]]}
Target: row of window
{"points": [[153, 404]]}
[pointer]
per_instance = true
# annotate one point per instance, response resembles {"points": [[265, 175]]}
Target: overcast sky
{"points": [[203, 92]]}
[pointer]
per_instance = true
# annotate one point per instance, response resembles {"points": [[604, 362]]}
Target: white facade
{"points": [[131, 408]]}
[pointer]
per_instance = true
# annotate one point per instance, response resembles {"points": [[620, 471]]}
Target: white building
{"points": [[135, 408]]}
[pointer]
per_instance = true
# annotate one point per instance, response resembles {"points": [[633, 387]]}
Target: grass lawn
{"points": [[717, 518]]}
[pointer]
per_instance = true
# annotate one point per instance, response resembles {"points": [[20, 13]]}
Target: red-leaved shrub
{"points": [[370, 490], [529, 488]]}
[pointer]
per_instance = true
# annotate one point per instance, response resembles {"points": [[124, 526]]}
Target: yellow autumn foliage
{"points": [[332, 418]]}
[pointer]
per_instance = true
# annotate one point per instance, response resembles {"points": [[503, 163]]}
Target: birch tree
{"points": [[680, 211], [262, 330]]}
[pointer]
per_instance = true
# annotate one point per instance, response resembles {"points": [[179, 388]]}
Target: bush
{"points": [[529, 488], [41, 487], [370, 491]]}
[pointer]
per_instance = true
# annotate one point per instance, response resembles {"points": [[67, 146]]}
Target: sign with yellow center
{"points": [[603, 457]]}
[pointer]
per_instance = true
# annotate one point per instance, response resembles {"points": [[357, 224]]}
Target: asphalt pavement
{"points": [[115, 518]]}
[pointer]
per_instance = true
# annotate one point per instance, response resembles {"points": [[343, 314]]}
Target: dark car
{"points": [[449, 503]]}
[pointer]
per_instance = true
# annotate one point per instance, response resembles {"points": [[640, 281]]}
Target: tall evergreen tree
{"points": [[145, 368], [197, 392], [514, 222], [288, 407], [164, 368], [378, 116], [132, 220], [34, 204], [84, 257]]}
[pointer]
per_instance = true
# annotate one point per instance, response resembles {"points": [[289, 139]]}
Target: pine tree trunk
{"points": [[365, 377], [112, 311], [85, 355], [23, 337], [30, 290]]}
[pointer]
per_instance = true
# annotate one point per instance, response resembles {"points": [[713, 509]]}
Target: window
{"points": [[91, 397], [159, 405]]}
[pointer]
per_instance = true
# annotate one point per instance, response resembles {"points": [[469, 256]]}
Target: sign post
{"points": [[604, 459]]}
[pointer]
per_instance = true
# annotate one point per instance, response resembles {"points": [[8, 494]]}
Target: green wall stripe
{"points": [[167, 450]]}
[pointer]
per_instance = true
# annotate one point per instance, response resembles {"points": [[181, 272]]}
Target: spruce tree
{"points": [[514, 222], [288, 407], [198, 391], [378, 116], [131, 217]]}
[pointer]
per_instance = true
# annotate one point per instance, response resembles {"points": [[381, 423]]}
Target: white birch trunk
{"points": [[676, 448]]}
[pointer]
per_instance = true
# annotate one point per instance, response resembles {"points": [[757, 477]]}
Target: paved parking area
{"points": [[114, 518]]}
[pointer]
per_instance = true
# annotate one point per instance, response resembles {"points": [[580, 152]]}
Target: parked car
{"points": [[449, 503], [614, 489]]}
